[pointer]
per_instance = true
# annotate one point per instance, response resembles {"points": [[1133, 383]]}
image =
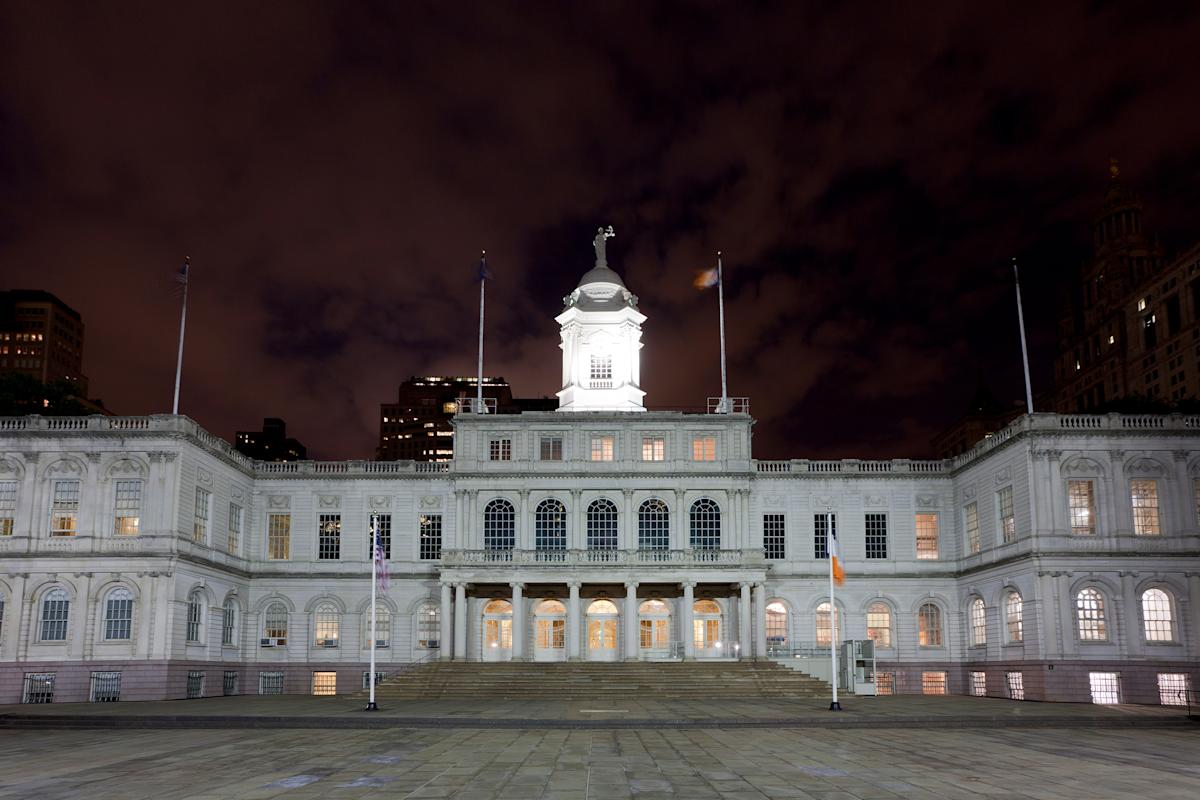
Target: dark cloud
{"points": [[334, 171]]}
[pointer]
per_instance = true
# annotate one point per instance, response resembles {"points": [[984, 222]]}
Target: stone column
{"points": [[685, 620], [522, 540], [460, 621], [627, 533], [1121, 518], [1185, 519], [1192, 619], [518, 621], [744, 651], [679, 533], [632, 639], [760, 617], [447, 647], [575, 537], [573, 622]]}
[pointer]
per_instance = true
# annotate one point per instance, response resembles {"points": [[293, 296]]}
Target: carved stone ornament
{"points": [[1004, 476], [237, 493], [875, 501], [1144, 466], [65, 467], [927, 501], [773, 501], [204, 477], [969, 492], [93, 457], [824, 503], [330, 501], [279, 501], [126, 466], [378, 501], [431, 501], [9, 466], [1083, 467]]}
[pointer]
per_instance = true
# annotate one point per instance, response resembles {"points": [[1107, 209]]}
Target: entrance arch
{"points": [[602, 630], [654, 629], [497, 631], [550, 628], [706, 629]]}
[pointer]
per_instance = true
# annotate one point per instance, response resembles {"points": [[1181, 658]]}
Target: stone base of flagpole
{"points": [[372, 707], [835, 706]]}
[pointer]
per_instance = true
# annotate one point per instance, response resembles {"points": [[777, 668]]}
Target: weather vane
{"points": [[600, 243]]}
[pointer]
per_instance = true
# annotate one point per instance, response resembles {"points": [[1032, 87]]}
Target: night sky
{"points": [[334, 169]]}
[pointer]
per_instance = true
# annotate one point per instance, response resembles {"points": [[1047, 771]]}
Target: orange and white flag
{"points": [[835, 559]]}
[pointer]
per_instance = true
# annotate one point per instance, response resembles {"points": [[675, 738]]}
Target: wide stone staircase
{"points": [[658, 680]]}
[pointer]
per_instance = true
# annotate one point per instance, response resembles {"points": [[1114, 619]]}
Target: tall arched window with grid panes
{"points": [[327, 623], [229, 623], [429, 625], [1089, 615], [499, 526], [1158, 622], [602, 525], [978, 623], [828, 631], [275, 625], [777, 626], [56, 613], [929, 626], [550, 530], [1014, 616], [654, 525], [195, 611], [879, 624], [118, 615], [704, 527]]}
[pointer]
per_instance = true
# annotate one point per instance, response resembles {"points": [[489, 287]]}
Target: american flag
{"points": [[381, 573]]}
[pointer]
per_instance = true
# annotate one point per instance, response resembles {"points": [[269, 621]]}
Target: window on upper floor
{"points": [[654, 448], [821, 526], [601, 371], [1008, 519], [431, 537], [927, 536], [550, 526], [876, 535], [705, 525], [654, 525], [704, 448], [1089, 616], [329, 537], [383, 525], [978, 623], [233, 537], [774, 536], [971, 524], [602, 525], [1157, 619], [500, 449], [279, 536], [499, 525], [603, 448], [550, 448], [1014, 609], [929, 626], [202, 512], [1143, 495], [64, 508], [8, 506], [127, 508], [1081, 497]]}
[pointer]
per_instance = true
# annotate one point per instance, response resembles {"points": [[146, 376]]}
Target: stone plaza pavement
{"points": [[910, 747]]}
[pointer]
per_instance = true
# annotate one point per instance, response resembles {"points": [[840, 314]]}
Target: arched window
{"points": [[195, 607], [498, 607], [706, 607], [777, 625], [978, 622], [1156, 616], [550, 526], [229, 623], [654, 525], [383, 627], [602, 525], [1014, 612], [929, 626], [429, 626], [275, 623], [499, 525], [879, 624], [654, 607], [1089, 612], [118, 615], [550, 608], [602, 606], [705, 525], [1, 612], [826, 634], [328, 625], [56, 609]]}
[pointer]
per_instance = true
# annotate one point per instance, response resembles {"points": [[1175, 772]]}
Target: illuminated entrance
{"points": [[550, 628], [602, 631], [497, 631]]}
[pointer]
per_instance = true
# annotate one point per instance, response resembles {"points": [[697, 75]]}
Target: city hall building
{"points": [[143, 557]]}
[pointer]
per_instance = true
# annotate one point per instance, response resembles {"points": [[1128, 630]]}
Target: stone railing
{"points": [[850, 466], [615, 558], [353, 468]]}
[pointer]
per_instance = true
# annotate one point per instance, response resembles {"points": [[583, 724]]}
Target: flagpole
{"points": [[1024, 349], [724, 407], [833, 643], [479, 372], [182, 326], [374, 560]]}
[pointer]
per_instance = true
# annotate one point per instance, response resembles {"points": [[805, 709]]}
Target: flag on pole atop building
{"points": [[835, 557], [381, 572]]}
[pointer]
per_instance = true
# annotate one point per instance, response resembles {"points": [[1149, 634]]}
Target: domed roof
{"points": [[600, 274]]}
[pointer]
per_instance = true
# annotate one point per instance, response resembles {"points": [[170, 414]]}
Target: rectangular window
{"points": [[118, 617], [279, 536], [228, 621], [927, 536], [64, 508], [601, 371], [55, 613], [820, 534], [106, 687], [704, 448], [500, 449], [877, 536], [195, 685], [329, 537], [971, 523], [1105, 686], [324, 684], [270, 683], [39, 688], [1008, 519], [885, 683], [933, 683], [128, 508], [200, 524], [193, 619], [603, 448], [1081, 497], [229, 683], [550, 448], [1172, 688], [384, 521], [774, 535], [8, 506], [431, 537], [654, 448], [234, 539], [1144, 497], [1016, 685], [979, 684]]}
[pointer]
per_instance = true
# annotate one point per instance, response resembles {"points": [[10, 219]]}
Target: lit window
{"points": [[933, 683], [654, 525], [929, 626], [1141, 304], [127, 517], [500, 449], [324, 684], [879, 624], [654, 448], [1144, 497], [429, 626], [978, 622], [1008, 519], [118, 615], [1081, 495], [329, 537], [279, 536], [885, 683], [64, 509], [431, 536], [774, 536], [979, 684], [602, 448], [776, 627], [56, 610], [195, 607], [876, 535], [826, 635], [971, 523], [1105, 686], [383, 627], [200, 523], [8, 506], [704, 448], [1013, 614], [1089, 611], [1156, 616], [550, 448], [1016, 685], [275, 623], [1172, 688], [328, 625], [927, 536]]}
